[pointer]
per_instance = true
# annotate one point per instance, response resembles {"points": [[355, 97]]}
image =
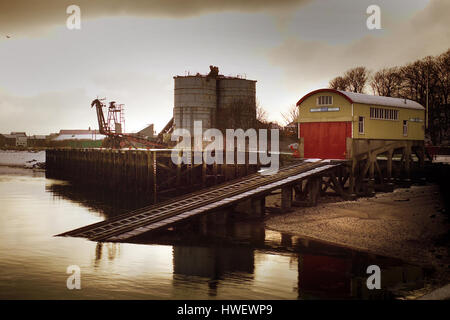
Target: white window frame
{"points": [[325, 98], [405, 128], [383, 114], [361, 125]]}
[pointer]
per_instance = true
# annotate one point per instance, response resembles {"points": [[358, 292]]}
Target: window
{"points": [[361, 125], [405, 128], [383, 114], [324, 100]]}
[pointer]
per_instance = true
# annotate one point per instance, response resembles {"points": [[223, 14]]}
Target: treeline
{"points": [[411, 81]]}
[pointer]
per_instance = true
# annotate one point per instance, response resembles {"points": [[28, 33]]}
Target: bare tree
{"points": [[261, 116], [339, 83], [357, 78], [443, 76], [291, 115], [426, 81], [387, 82]]}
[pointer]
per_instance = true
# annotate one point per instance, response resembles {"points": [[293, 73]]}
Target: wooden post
{"points": [[313, 189], [352, 178], [215, 172], [389, 165], [204, 173], [286, 198], [155, 189], [407, 152]]}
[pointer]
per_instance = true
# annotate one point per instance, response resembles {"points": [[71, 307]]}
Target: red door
{"points": [[325, 140]]}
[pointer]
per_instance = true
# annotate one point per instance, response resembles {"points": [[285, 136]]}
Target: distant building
{"points": [[7, 140], [37, 141], [291, 128], [148, 131], [19, 134], [78, 139], [336, 124], [14, 139], [78, 135], [21, 141]]}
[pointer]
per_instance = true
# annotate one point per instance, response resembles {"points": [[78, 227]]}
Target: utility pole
{"points": [[426, 106]]}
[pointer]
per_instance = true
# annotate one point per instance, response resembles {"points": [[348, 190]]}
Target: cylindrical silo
{"points": [[240, 95], [195, 100]]}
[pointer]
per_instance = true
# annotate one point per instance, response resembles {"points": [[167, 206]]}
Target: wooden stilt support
{"points": [[286, 198]]}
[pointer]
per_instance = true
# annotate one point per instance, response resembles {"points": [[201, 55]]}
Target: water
{"points": [[238, 261]]}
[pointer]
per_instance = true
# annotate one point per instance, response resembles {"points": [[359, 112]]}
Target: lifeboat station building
{"points": [[337, 124]]}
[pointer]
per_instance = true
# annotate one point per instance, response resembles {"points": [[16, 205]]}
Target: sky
{"points": [[129, 52]]}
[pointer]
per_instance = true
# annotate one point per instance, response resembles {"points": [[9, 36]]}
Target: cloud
{"points": [[46, 112], [148, 100], [21, 17], [310, 64]]}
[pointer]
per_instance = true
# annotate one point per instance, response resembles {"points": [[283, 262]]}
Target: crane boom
{"points": [[102, 127], [109, 129]]}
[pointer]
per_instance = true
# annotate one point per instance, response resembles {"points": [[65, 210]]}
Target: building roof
{"points": [[8, 136], [78, 131], [353, 97], [18, 134], [89, 136], [38, 137]]}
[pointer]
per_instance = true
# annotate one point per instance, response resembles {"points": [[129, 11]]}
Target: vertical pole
{"points": [[352, 178], [215, 172], [203, 173], [286, 198], [149, 172], [155, 190], [389, 165], [371, 184], [408, 160]]}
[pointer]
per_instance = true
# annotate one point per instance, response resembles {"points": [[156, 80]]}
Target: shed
{"points": [[336, 124]]}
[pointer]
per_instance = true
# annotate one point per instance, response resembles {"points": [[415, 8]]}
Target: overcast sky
{"points": [[129, 51]]}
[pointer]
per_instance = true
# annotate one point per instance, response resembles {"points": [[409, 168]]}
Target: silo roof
{"points": [[353, 97]]}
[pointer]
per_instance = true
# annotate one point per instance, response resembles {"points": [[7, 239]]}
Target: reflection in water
{"points": [[323, 271], [100, 201], [113, 250], [240, 260], [212, 263]]}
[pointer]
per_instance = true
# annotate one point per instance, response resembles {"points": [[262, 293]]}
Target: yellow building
{"points": [[333, 123]]}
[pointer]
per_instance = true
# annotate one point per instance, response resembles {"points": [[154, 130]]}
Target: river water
{"points": [[238, 261]]}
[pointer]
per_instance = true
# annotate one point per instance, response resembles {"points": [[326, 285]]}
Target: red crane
{"points": [[114, 127]]}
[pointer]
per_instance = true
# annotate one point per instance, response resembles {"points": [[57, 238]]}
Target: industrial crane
{"points": [[114, 126]]}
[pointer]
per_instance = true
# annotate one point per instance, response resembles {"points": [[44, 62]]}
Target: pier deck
{"points": [[168, 213]]}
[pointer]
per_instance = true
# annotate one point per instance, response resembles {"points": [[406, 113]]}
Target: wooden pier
{"points": [[150, 172], [236, 188], [253, 188]]}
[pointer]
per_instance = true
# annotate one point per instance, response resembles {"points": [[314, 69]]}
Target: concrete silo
{"points": [[236, 102], [209, 97], [195, 100]]}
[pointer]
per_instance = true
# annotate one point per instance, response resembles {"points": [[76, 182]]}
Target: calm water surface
{"points": [[238, 261]]}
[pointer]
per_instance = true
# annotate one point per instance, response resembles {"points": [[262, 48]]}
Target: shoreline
{"points": [[22, 159]]}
